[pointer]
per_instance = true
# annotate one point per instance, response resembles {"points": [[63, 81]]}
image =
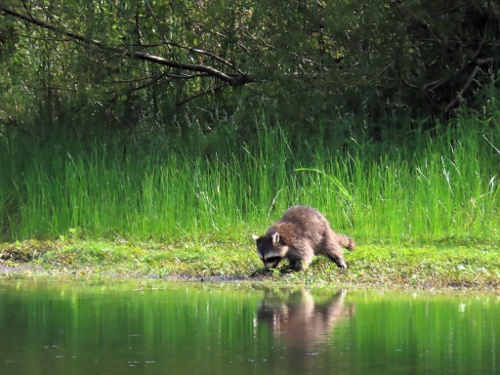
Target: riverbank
{"points": [[437, 266]]}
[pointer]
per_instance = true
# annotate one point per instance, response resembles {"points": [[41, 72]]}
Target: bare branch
{"points": [[206, 53], [29, 18], [238, 78], [473, 61], [487, 60], [462, 90]]}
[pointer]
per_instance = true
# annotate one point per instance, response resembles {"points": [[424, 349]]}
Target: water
{"points": [[169, 328]]}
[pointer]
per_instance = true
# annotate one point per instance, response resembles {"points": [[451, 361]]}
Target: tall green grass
{"points": [[431, 189]]}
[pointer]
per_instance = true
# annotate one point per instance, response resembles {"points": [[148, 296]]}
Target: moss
{"points": [[434, 266]]}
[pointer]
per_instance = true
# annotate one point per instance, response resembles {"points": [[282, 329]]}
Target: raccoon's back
{"points": [[301, 212], [304, 218], [306, 224]]}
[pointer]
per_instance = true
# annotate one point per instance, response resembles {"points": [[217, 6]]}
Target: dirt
{"points": [[21, 269]]}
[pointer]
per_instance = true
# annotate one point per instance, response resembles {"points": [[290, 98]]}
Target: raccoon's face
{"points": [[271, 250]]}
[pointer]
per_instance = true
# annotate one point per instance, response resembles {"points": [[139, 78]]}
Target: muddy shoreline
{"points": [[471, 266], [24, 271]]}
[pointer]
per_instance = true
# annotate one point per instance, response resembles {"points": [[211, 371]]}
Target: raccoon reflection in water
{"points": [[300, 234], [299, 322]]}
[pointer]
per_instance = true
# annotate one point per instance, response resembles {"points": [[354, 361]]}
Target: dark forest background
{"points": [[380, 68]]}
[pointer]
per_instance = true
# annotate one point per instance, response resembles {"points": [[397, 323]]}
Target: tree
{"points": [[129, 63]]}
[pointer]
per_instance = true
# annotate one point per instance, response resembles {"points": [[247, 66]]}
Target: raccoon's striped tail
{"points": [[345, 241]]}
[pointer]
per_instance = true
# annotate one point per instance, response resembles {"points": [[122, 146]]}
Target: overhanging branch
{"points": [[230, 78]]}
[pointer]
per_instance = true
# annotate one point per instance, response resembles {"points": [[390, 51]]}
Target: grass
{"points": [[447, 187], [414, 204]]}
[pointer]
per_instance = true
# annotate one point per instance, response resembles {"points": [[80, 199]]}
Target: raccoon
{"points": [[299, 235]]}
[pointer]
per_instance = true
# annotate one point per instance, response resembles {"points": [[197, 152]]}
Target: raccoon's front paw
{"points": [[298, 265]]}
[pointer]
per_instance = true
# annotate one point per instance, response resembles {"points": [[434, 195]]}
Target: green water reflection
{"points": [[161, 328]]}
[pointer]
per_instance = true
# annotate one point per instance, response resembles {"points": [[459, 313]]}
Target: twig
{"points": [[462, 90], [211, 91], [431, 86], [487, 60]]}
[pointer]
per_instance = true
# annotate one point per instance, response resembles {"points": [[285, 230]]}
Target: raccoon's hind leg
{"points": [[338, 260], [333, 251], [300, 263]]}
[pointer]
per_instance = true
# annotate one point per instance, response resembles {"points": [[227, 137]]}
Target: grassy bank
{"points": [[424, 210], [465, 266]]}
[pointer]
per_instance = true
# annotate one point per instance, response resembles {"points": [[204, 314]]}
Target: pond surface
{"points": [[171, 328]]}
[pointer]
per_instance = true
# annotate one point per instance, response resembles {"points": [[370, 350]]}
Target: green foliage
{"points": [[301, 60]]}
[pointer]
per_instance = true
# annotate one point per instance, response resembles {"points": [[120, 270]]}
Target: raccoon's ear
{"points": [[255, 237], [276, 238]]}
